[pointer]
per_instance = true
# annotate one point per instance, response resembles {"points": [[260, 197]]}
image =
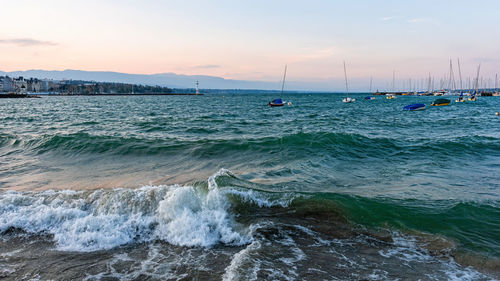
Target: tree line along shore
{"points": [[21, 87]]}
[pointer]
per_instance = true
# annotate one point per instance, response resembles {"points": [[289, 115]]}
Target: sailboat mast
{"points": [[449, 79], [346, 85], [460, 75], [477, 79], [371, 81], [283, 84], [429, 83], [452, 85], [393, 79]]}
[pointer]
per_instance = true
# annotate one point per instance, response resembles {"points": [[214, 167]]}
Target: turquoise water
{"points": [[369, 165]]}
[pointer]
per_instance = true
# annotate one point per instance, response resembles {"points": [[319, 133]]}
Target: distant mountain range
{"points": [[171, 80]]}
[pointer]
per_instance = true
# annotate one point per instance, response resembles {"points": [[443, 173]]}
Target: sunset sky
{"points": [[253, 40]]}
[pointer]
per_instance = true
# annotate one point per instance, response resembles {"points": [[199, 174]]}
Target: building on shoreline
{"points": [[6, 84], [75, 87]]}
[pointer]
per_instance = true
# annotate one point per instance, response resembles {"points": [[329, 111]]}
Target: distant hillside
{"points": [[170, 80]]}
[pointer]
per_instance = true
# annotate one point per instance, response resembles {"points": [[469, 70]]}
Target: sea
{"points": [[224, 187]]}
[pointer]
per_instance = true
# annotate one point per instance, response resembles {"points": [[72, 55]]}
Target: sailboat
{"points": [[452, 86], [279, 102], [391, 96], [496, 93], [370, 97], [347, 98], [473, 97], [461, 97]]}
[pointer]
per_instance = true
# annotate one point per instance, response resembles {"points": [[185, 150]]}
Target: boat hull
{"points": [[347, 100], [414, 107], [441, 102]]}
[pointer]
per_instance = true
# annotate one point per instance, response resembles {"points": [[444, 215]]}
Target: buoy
{"points": [[496, 113]]}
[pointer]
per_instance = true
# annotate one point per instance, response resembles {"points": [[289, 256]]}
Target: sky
{"points": [[254, 40]]}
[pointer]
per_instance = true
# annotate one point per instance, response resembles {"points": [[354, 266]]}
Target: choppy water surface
{"points": [[224, 187]]}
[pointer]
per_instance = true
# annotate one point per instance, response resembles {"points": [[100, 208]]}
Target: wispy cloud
{"points": [[387, 18], [26, 42], [420, 20]]}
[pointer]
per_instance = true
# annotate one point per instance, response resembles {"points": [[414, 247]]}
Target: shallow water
{"points": [[224, 187]]}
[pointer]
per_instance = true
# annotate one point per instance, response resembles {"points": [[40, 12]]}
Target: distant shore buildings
{"points": [[21, 85]]}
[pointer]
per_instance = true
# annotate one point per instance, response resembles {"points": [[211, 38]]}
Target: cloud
{"points": [[387, 18], [26, 42], [420, 20]]}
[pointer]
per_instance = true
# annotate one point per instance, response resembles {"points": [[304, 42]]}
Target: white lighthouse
{"points": [[197, 90]]}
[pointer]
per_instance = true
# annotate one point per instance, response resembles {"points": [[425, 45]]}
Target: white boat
{"points": [[347, 98]]}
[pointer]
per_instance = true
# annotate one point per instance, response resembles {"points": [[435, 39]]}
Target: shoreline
{"points": [[20, 96], [142, 94]]}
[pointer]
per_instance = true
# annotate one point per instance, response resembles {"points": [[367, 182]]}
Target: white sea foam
{"points": [[406, 249], [261, 200], [243, 266], [103, 219]]}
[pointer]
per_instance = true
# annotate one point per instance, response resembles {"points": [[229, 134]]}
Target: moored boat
{"points": [[473, 97], [279, 102], [440, 102], [414, 106], [276, 102], [347, 99]]}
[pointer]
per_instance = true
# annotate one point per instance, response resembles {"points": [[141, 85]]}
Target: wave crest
{"points": [[104, 219]]}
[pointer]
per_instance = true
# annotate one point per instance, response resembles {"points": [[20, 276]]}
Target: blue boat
{"points": [[414, 106], [277, 102], [369, 98]]}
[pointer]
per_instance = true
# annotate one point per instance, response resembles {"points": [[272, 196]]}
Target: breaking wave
{"points": [[103, 219]]}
